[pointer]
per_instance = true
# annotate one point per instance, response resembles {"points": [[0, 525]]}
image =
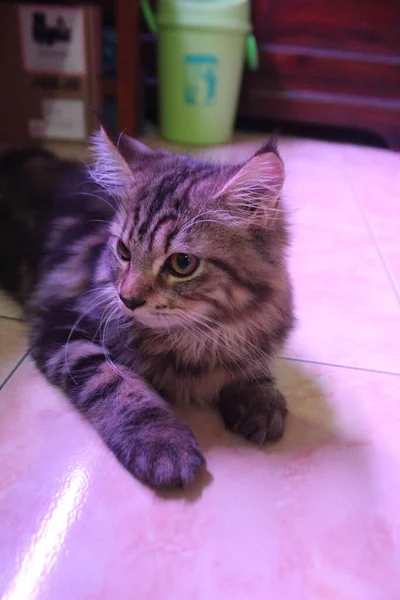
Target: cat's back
{"points": [[46, 203]]}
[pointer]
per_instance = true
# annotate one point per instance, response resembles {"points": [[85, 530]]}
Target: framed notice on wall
{"points": [[50, 59], [52, 39]]}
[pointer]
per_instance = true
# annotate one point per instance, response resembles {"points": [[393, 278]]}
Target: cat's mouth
{"points": [[156, 319]]}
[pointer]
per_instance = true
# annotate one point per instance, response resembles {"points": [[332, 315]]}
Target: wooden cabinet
{"points": [[329, 62], [125, 16]]}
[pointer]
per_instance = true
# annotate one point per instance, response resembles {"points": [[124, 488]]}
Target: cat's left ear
{"points": [[253, 193], [113, 161]]}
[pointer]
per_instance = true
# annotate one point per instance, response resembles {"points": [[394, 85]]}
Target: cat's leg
{"points": [[133, 420], [256, 410]]}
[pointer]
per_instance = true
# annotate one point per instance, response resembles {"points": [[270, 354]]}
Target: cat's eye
{"points": [[123, 251], [182, 265]]}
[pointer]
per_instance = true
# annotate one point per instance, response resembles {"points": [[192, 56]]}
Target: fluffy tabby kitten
{"points": [[151, 278]]}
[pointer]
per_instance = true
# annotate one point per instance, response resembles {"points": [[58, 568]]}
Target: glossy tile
{"points": [[348, 311], [315, 516], [9, 308], [13, 345], [375, 178]]}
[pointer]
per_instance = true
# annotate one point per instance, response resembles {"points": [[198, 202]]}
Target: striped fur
{"points": [[207, 338]]}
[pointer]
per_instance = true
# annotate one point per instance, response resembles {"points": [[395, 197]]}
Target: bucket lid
{"points": [[231, 15]]}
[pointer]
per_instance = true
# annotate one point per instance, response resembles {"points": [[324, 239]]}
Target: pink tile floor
{"points": [[314, 517]]}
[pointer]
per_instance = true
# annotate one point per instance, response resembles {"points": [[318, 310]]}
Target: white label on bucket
{"points": [[201, 78]]}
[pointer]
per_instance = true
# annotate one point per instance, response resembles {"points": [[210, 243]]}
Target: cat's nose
{"points": [[132, 303]]}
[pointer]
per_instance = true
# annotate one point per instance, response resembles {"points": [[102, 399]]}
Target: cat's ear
{"points": [[253, 193], [113, 161]]}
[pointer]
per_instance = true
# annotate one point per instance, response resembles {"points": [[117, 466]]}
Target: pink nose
{"points": [[132, 303]]}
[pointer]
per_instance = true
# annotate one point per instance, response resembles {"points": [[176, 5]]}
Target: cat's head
{"points": [[191, 241]]}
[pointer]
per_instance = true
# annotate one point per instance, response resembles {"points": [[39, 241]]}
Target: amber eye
{"points": [[182, 265], [123, 251]]}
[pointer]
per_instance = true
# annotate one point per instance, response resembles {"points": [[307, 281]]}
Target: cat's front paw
{"points": [[256, 412], [168, 458]]}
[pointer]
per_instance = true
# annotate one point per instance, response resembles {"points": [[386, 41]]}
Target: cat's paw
{"points": [[256, 413], [170, 459]]}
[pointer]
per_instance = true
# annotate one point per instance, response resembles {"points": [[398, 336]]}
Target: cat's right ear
{"points": [[252, 194], [113, 162]]}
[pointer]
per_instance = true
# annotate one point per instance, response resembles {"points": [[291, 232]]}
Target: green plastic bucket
{"points": [[201, 51]]}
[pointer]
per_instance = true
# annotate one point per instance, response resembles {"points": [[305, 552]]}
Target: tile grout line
{"points": [[14, 369], [281, 357], [327, 364], [18, 319], [372, 234]]}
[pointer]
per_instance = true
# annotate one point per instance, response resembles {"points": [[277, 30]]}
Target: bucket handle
{"points": [[252, 57], [149, 16], [251, 43]]}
